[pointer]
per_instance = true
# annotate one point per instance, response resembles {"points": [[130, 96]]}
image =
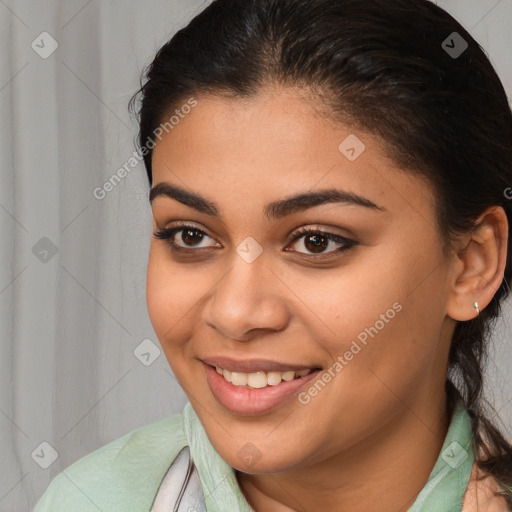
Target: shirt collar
{"points": [[443, 491]]}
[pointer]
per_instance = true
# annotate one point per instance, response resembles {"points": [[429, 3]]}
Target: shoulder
{"points": [[480, 494], [121, 475]]}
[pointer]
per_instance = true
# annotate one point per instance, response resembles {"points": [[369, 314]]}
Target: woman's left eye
{"points": [[316, 241]]}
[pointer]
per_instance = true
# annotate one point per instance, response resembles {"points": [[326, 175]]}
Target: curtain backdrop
{"points": [[73, 317]]}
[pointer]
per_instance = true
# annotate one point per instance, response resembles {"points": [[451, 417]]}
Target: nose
{"points": [[250, 300]]}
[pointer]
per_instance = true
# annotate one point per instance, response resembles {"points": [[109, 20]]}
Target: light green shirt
{"points": [[125, 475]]}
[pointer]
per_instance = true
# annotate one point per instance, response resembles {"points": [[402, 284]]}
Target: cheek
{"points": [[350, 303], [398, 334], [171, 295], [390, 305]]}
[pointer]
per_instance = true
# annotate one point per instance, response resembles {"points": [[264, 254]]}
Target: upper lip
{"points": [[254, 365]]}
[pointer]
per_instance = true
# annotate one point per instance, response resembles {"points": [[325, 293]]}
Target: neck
{"points": [[389, 469]]}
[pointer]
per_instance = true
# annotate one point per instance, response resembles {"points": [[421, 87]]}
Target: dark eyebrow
{"points": [[274, 210]]}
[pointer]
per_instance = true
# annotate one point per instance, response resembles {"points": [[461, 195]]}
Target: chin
{"points": [[251, 460]]}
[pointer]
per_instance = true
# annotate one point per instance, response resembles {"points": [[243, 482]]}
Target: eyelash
{"points": [[168, 235]]}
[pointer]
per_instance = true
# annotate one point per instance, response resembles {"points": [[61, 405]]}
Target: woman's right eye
{"points": [[191, 237]]}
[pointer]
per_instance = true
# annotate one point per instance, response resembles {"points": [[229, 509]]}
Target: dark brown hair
{"points": [[378, 65]]}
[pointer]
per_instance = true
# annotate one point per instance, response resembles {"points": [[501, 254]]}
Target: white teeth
{"points": [[238, 379], [258, 380], [289, 375], [273, 378]]}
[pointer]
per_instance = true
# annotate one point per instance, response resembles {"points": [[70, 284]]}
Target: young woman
{"points": [[330, 188]]}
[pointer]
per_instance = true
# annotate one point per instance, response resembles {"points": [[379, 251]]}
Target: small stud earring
{"points": [[475, 305]]}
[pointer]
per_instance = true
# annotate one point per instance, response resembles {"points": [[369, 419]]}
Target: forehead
{"points": [[276, 143]]}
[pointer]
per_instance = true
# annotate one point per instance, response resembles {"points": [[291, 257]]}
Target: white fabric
{"points": [[181, 487], [69, 326]]}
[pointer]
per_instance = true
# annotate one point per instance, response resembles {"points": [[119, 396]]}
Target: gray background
{"points": [[70, 321]]}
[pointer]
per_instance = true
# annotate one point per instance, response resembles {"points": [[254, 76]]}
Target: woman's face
{"points": [[245, 290]]}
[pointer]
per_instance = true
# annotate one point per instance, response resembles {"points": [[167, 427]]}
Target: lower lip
{"points": [[248, 401]]}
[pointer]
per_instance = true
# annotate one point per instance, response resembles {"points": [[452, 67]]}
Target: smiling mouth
{"points": [[258, 380]]}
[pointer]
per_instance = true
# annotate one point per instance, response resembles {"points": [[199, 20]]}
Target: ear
{"points": [[479, 264]]}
